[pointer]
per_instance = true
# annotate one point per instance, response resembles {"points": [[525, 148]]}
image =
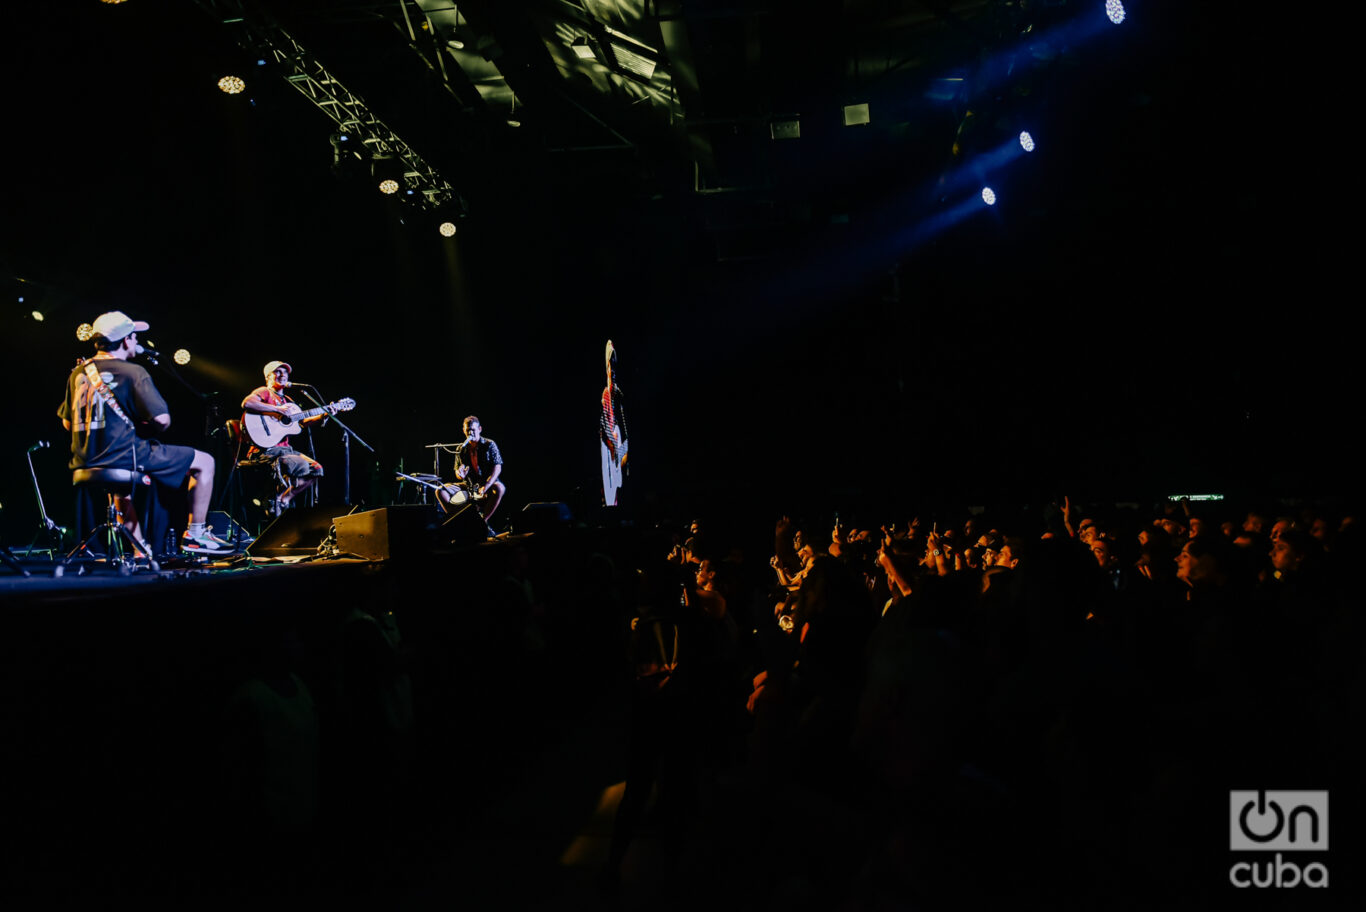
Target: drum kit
{"points": [[426, 487]]}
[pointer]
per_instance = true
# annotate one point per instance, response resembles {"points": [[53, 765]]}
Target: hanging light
{"points": [[233, 85], [387, 173]]}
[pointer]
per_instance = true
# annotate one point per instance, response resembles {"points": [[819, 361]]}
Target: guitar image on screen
{"points": [[612, 433], [268, 430]]}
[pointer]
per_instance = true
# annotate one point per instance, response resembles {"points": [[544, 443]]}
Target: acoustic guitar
{"points": [[268, 430]]}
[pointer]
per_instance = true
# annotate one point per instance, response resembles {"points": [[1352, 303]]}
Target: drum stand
{"points": [[9, 560]]}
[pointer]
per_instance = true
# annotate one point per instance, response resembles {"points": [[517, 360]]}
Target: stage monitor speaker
{"points": [[296, 533], [543, 517], [465, 526], [389, 532]]}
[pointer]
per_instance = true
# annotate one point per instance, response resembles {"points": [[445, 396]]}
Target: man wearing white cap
{"points": [[107, 397], [270, 400]]}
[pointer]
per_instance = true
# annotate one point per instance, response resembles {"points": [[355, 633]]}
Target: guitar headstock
{"points": [[343, 405]]}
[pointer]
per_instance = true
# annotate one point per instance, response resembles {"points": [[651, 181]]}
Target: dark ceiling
{"points": [[695, 180], [771, 117]]}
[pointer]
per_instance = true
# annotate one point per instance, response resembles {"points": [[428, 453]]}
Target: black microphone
{"points": [[40, 445]]}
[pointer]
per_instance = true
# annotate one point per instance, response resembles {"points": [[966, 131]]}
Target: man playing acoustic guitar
{"points": [[301, 471]]}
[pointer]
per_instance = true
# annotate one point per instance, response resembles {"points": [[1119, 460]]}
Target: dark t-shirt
{"points": [[99, 437], [481, 457]]}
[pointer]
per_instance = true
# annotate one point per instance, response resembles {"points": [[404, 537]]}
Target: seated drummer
{"points": [[479, 466]]}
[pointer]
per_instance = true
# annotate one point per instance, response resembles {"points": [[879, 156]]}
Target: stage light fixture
{"points": [[633, 57], [1115, 10], [455, 43], [988, 196], [181, 356], [582, 49], [233, 85], [1026, 141], [387, 173], [112, 2], [37, 316], [785, 128], [447, 229], [856, 115], [347, 161], [84, 332]]}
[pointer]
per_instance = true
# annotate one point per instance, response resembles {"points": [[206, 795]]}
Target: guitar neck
{"points": [[311, 413]]}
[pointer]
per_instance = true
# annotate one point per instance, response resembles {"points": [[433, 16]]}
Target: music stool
{"points": [[256, 483], [120, 548]]}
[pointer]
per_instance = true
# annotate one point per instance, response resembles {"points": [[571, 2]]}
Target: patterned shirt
{"points": [[481, 456]]}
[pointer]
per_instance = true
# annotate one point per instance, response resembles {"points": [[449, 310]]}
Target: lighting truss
{"points": [[258, 34]]}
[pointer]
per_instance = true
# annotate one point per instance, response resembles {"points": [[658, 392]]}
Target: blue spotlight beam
{"points": [[999, 67]]}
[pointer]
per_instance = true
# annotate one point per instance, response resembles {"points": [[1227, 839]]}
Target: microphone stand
{"points": [[153, 357], [347, 434], [56, 535]]}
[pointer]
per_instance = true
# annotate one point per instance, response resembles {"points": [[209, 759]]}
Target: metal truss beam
{"points": [[259, 34]]}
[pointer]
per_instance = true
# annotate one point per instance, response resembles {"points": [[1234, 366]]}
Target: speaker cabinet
{"points": [[545, 516], [389, 532], [465, 526], [297, 533]]}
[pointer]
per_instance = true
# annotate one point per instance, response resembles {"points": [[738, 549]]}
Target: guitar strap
{"points": [[92, 375]]}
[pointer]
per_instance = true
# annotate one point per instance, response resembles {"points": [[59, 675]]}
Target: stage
{"points": [[333, 725]]}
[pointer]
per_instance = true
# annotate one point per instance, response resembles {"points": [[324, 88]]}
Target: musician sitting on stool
{"points": [[302, 471], [478, 467], [107, 399]]}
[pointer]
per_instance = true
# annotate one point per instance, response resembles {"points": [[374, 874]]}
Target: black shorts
{"points": [[167, 464]]}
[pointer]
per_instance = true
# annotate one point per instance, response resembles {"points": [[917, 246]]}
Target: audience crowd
{"points": [[1036, 709], [952, 710]]}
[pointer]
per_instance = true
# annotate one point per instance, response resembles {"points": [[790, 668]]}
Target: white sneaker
{"points": [[205, 543]]}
